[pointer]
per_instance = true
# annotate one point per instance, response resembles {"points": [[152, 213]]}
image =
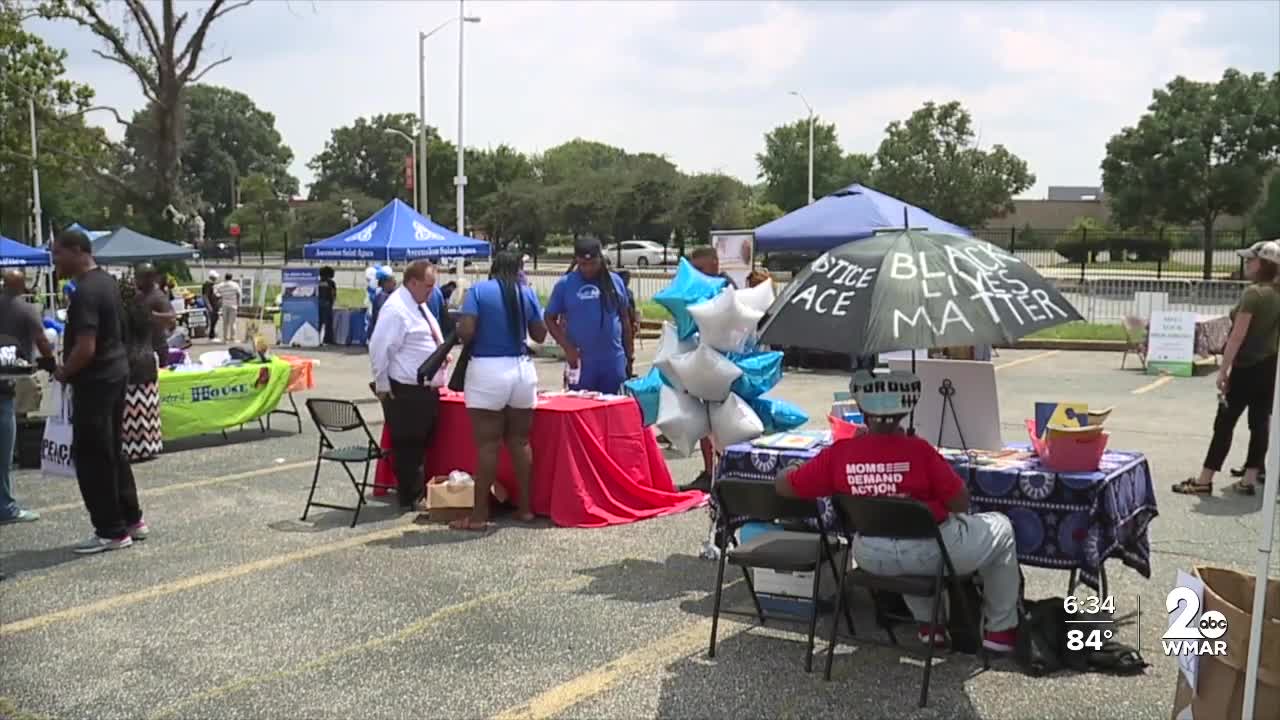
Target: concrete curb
{"points": [[1076, 345]]}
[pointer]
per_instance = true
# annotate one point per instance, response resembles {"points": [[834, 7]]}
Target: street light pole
{"points": [[810, 109], [461, 180], [420, 189], [36, 213], [425, 207], [414, 146]]}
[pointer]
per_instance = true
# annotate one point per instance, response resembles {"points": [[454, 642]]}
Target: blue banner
{"points": [[300, 307]]}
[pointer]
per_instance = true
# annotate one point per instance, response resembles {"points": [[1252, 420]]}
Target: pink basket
{"points": [[842, 429], [1068, 454]]}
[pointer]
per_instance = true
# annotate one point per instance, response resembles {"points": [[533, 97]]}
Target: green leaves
{"points": [[931, 160], [1201, 150]]}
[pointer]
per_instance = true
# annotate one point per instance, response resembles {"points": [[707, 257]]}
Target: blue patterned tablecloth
{"points": [[745, 461], [1070, 521]]}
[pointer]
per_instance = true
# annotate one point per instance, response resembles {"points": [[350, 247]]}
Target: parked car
{"points": [[217, 251], [638, 253]]}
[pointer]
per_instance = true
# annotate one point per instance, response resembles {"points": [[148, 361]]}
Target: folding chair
{"points": [[1135, 339], [898, 519], [339, 416], [742, 501]]}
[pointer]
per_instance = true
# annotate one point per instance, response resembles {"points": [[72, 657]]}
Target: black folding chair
{"points": [[340, 416], [742, 501], [899, 519]]}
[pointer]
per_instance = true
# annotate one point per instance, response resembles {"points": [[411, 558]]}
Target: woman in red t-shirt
{"points": [[887, 462]]}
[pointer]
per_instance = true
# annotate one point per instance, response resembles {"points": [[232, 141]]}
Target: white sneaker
{"points": [[95, 544]]}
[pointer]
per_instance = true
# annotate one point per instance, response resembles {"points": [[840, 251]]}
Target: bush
{"points": [[1144, 247], [1077, 247]]}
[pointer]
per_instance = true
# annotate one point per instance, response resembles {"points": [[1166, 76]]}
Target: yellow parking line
{"points": [[1028, 359], [1158, 383], [592, 683], [115, 602], [153, 492], [333, 656]]}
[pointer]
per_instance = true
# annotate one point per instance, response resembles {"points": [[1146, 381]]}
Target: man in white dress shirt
{"points": [[405, 336]]}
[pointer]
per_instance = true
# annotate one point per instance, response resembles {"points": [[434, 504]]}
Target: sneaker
{"points": [[21, 517], [139, 530], [1000, 641], [702, 482], [95, 544], [937, 632]]}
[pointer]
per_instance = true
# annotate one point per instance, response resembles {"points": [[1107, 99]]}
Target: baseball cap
{"points": [[586, 248], [1268, 250], [894, 393]]}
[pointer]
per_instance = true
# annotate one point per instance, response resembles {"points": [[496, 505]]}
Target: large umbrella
{"points": [[909, 289]]}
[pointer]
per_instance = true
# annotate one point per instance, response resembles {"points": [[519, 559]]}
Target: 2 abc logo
{"points": [[1190, 631]]}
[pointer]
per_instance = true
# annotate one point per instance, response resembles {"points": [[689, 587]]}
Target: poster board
{"points": [[1150, 302], [735, 249], [977, 403], [1171, 344], [247, 285], [300, 307]]}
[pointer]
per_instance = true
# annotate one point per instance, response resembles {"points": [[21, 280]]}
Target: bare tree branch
{"points": [[189, 59], [120, 52], [209, 67], [146, 25], [143, 79]]}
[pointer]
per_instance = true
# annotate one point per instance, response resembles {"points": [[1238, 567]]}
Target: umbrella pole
{"points": [[911, 424], [1265, 542]]}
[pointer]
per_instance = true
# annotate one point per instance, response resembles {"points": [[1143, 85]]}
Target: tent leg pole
{"points": [[1265, 540]]}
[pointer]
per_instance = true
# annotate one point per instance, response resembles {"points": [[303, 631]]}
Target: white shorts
{"points": [[495, 383]]}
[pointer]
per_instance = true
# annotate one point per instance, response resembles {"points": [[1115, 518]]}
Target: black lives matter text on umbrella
{"points": [[912, 290], [969, 277]]}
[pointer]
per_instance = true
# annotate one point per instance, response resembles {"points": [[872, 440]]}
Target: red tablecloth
{"points": [[594, 464]]}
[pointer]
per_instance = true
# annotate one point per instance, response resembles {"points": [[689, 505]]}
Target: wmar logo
{"points": [[364, 235], [422, 233], [588, 292]]}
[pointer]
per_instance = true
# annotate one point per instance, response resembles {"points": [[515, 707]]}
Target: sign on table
{"points": [[300, 307], [1171, 341]]}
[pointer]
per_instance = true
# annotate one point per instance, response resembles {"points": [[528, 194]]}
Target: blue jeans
{"points": [[8, 435]]}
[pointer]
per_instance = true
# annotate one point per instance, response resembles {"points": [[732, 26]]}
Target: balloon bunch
{"points": [[708, 377]]}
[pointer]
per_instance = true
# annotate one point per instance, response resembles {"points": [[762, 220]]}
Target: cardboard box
{"points": [[797, 586], [446, 503], [1220, 680]]}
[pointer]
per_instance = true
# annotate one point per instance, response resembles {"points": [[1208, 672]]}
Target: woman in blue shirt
{"points": [[501, 386], [588, 315]]}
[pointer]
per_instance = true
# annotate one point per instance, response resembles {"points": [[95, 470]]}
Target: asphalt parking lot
{"points": [[235, 609]]}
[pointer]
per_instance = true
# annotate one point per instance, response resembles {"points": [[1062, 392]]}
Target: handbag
{"points": [[458, 380], [437, 358]]}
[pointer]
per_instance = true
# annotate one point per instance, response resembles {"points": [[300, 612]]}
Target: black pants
{"points": [[1252, 388], [102, 467], [326, 323], [213, 313], [411, 412]]}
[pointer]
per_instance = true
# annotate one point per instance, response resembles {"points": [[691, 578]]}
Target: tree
{"points": [[931, 160], [364, 156], [520, 212], [318, 219], [69, 151], [758, 214], [1201, 150], [704, 203], [228, 137], [569, 161], [262, 210], [1266, 220], [164, 64], [784, 164], [490, 170]]}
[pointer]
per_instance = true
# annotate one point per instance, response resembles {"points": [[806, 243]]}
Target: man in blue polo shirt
{"points": [[588, 316]]}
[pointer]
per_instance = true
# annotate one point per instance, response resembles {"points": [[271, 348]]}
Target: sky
{"points": [[702, 82]]}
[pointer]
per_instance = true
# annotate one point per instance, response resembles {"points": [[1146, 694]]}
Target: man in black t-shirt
{"points": [[328, 292], [96, 366]]}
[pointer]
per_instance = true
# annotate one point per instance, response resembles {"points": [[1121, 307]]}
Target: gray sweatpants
{"points": [[981, 544]]}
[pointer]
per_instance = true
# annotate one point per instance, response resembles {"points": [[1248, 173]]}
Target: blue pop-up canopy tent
{"points": [[850, 214], [15, 254], [396, 233], [91, 234]]}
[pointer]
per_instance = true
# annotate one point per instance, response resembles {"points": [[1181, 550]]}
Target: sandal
{"points": [[1244, 488], [525, 518], [1191, 487], [470, 525]]}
